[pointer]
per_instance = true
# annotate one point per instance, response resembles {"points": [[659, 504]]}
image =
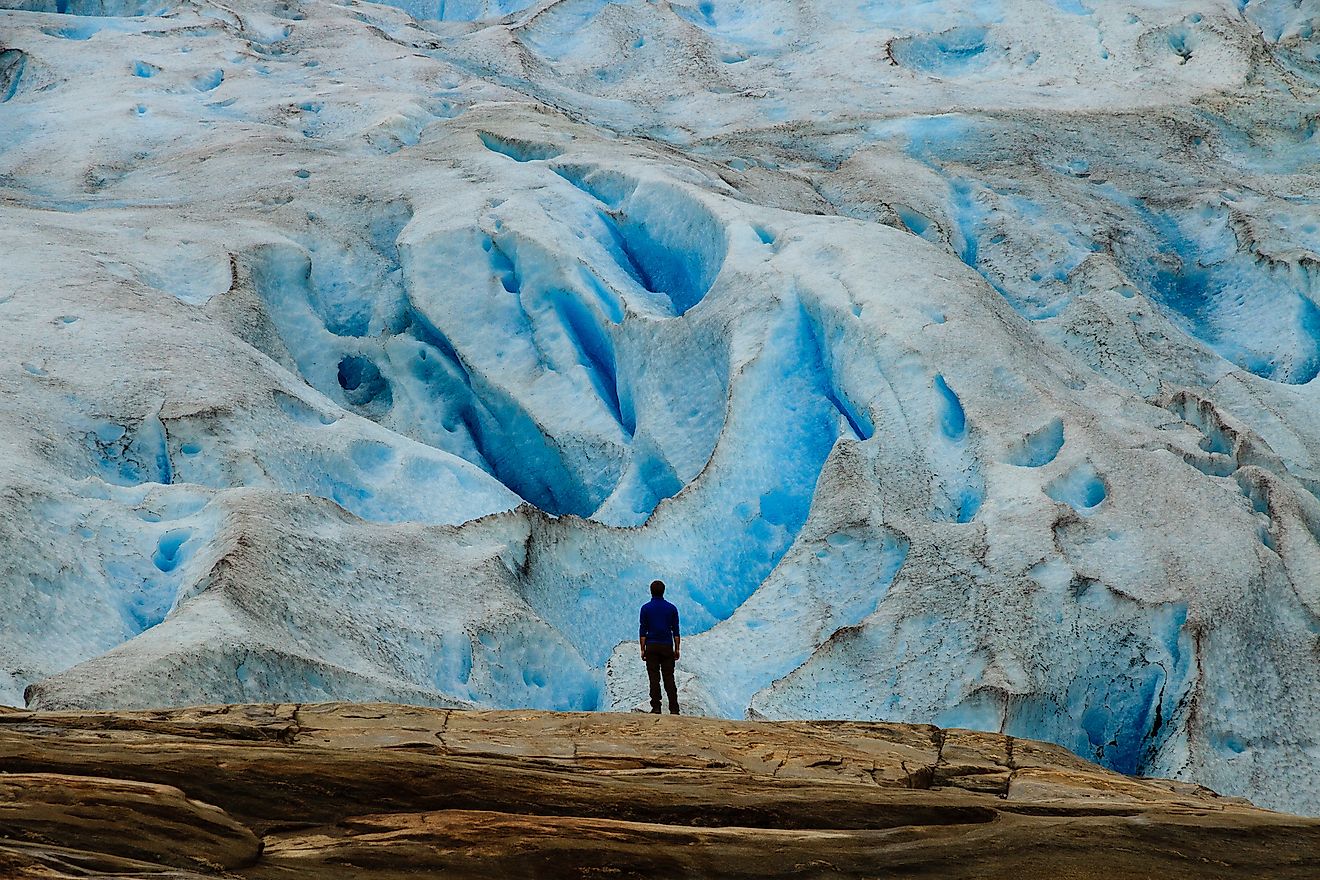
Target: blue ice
{"points": [[1278, 19], [605, 185], [128, 458], [1081, 488], [459, 10], [561, 30], [526, 668], [761, 490], [73, 32], [1258, 315], [518, 150], [961, 488], [1040, 447], [1073, 7], [953, 420], [937, 139], [917, 223], [953, 52], [595, 350], [209, 81], [362, 383], [12, 64], [1124, 693], [926, 15], [168, 556], [102, 8], [676, 245], [859, 421]]}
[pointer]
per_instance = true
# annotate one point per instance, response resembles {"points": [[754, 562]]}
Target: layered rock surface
{"points": [[383, 791]]}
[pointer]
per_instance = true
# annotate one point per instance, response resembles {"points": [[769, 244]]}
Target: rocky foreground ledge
{"points": [[383, 791]]}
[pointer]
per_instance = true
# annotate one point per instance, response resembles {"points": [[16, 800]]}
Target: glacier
{"points": [[952, 362]]}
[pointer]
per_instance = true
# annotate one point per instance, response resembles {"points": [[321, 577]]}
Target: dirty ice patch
{"points": [[955, 52], [1081, 488]]}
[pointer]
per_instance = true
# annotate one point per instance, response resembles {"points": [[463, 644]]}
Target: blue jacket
{"points": [[659, 622]]}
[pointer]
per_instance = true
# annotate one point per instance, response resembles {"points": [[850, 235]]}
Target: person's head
{"points": [[657, 589]]}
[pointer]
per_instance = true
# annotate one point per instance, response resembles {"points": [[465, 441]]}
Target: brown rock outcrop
{"points": [[381, 791]]}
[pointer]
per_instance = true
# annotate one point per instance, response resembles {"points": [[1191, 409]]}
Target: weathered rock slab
{"points": [[380, 791]]}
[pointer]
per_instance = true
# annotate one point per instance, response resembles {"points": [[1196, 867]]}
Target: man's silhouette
{"points": [[659, 643]]}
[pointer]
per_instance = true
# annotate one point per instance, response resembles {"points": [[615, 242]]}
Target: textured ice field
{"points": [[952, 361]]}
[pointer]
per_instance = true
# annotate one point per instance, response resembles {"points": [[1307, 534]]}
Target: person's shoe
{"points": [[673, 710], [655, 711]]}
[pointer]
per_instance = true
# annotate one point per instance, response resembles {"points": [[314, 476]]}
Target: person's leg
{"points": [[653, 673], [671, 688]]}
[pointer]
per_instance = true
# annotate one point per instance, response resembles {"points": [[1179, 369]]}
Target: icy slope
{"points": [[953, 363]]}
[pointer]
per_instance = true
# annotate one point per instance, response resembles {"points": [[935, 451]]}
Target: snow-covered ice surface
{"points": [[952, 361]]}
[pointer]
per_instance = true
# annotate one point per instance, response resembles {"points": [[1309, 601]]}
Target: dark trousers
{"points": [[660, 661]]}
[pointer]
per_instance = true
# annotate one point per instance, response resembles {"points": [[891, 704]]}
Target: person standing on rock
{"points": [[659, 643]]}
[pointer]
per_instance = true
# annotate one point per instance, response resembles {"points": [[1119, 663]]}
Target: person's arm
{"points": [[677, 638], [641, 632]]}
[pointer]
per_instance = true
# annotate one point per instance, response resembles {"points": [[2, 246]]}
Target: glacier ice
{"points": [[953, 362]]}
